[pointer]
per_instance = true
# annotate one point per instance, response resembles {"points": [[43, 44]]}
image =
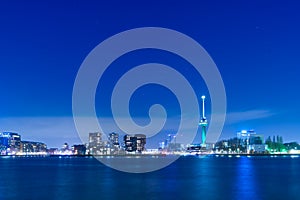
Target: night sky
{"points": [[43, 43]]}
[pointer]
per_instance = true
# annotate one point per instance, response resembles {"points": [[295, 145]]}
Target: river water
{"points": [[190, 177]]}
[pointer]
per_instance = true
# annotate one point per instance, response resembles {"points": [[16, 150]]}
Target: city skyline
{"points": [[170, 138], [255, 47], [244, 142]]}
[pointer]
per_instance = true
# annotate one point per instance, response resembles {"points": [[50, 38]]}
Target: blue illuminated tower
{"points": [[203, 123]]}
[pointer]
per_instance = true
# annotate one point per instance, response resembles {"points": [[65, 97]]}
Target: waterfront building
{"points": [[140, 142], [96, 144], [130, 143], [79, 149], [253, 142], [65, 147], [245, 135], [114, 139], [162, 145], [193, 147], [257, 148], [167, 142], [53, 151], [28, 147], [210, 146], [135, 143], [256, 144], [113, 146], [65, 150], [11, 142]]}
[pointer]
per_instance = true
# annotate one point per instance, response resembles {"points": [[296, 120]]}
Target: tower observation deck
{"points": [[203, 123]]}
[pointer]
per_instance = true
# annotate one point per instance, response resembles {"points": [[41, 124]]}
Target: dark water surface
{"points": [[188, 178]]}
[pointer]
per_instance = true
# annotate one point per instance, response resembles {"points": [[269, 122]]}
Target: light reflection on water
{"points": [[189, 177], [245, 187]]}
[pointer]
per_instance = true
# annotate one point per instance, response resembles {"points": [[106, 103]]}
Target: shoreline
{"points": [[156, 155]]}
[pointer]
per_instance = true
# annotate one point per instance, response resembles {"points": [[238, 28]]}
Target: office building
{"points": [[114, 140], [253, 142], [11, 141], [79, 149], [135, 143], [33, 147], [96, 145]]}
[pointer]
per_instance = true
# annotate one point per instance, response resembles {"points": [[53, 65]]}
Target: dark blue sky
{"points": [[254, 44]]}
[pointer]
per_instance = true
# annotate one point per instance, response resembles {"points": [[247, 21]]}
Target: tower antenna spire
{"points": [[203, 123], [203, 106]]}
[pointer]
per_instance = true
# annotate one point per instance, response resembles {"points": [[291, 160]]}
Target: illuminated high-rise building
{"points": [[96, 144], [135, 143], [140, 142], [130, 143], [11, 141], [114, 139]]}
